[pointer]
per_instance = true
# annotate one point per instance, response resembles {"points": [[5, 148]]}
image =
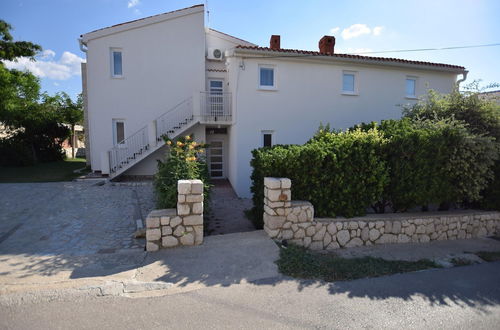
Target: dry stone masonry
{"points": [[181, 226], [294, 221]]}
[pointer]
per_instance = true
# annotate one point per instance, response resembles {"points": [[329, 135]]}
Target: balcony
{"points": [[215, 108]]}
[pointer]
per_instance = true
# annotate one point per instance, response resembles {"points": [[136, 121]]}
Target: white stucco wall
{"points": [[310, 94], [163, 64]]}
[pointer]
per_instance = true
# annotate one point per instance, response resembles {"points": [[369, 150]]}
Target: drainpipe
{"points": [[83, 46], [464, 76]]}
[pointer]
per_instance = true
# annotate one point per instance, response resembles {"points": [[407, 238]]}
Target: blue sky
{"points": [[359, 26]]}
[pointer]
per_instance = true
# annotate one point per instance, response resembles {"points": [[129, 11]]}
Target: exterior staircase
{"points": [[148, 139]]}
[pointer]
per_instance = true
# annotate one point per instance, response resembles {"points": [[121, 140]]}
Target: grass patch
{"points": [[460, 262], [489, 256], [43, 172], [299, 262]]}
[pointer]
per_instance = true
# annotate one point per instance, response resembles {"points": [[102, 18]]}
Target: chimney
{"points": [[326, 45], [275, 42]]}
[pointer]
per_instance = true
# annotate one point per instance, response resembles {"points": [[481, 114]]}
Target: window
{"points": [[116, 63], [118, 131], [267, 138], [411, 84], [267, 77], [349, 82]]}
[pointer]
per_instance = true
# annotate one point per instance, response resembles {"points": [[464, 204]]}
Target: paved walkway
{"points": [[226, 213], [71, 218]]}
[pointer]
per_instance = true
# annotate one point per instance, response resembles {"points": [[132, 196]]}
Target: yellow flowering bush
{"points": [[182, 161]]}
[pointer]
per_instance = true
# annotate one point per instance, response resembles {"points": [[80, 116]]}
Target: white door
{"points": [[216, 159], [216, 97]]}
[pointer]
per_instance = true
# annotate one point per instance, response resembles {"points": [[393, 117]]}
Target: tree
{"points": [[10, 50], [72, 114]]}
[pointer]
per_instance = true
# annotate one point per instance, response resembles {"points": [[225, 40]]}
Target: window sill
{"points": [[411, 97], [117, 77], [350, 93], [267, 89]]}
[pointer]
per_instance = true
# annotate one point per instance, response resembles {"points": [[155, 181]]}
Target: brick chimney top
{"points": [[275, 42], [326, 45]]}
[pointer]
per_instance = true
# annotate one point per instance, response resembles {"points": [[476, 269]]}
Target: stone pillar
{"points": [[277, 201], [181, 226]]}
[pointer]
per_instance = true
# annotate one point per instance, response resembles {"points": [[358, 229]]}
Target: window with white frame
{"points": [[411, 87], [267, 138], [118, 131], [349, 82], [116, 63], [267, 77]]}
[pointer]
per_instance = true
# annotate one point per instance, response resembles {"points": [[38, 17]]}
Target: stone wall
{"points": [[181, 226], [294, 221]]}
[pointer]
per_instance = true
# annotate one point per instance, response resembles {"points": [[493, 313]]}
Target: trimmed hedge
{"points": [[340, 173], [402, 164]]}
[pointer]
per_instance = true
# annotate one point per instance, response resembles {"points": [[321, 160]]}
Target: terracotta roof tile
{"points": [[357, 57]]}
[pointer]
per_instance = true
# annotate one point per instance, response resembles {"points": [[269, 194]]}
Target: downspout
{"points": [[82, 45], [464, 77]]}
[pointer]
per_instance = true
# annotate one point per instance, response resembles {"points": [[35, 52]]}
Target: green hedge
{"points": [[340, 173], [401, 164]]}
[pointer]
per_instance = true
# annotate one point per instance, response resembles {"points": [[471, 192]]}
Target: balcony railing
{"points": [[216, 107]]}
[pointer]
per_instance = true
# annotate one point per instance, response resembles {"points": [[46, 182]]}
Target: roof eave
{"points": [[140, 23], [329, 58]]}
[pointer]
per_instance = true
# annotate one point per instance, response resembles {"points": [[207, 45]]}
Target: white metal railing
{"points": [[128, 151], [215, 106], [175, 119]]}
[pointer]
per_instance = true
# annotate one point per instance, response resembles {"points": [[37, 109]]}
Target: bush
{"points": [[183, 162], [481, 116], [322, 172], [434, 162]]}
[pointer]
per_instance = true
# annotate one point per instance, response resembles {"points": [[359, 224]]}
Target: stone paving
{"points": [[71, 218], [226, 213]]}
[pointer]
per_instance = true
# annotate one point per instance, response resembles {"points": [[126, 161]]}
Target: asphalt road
{"points": [[457, 298]]}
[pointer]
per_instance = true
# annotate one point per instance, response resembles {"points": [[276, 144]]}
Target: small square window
{"points": [[266, 77], [116, 63], [411, 84], [348, 83]]}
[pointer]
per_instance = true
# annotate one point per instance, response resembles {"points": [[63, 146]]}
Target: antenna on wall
{"points": [[208, 13]]}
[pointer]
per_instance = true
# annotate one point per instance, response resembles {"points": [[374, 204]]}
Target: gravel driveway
{"points": [[72, 218]]}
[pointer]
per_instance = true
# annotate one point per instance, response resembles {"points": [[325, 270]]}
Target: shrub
{"points": [[434, 162], [322, 171], [481, 116], [183, 162]]}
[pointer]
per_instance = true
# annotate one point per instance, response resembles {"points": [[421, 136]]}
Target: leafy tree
{"points": [[10, 50], [72, 114]]}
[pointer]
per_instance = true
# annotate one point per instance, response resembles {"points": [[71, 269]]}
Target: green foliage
{"points": [[481, 117], [301, 263], [10, 50], [183, 162], [434, 162], [322, 171]]}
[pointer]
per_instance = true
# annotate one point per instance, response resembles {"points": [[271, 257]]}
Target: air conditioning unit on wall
{"points": [[215, 54]]}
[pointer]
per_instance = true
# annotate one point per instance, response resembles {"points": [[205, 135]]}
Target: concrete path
{"points": [[71, 218], [221, 260], [457, 298], [226, 214]]}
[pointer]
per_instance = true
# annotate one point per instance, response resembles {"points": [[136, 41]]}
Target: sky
{"points": [[358, 26]]}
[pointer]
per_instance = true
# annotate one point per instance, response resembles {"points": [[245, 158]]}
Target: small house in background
{"points": [[169, 74]]}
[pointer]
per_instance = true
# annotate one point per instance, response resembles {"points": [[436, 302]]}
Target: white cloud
{"points": [[377, 30], [46, 66], [133, 3], [334, 30], [355, 30], [359, 51]]}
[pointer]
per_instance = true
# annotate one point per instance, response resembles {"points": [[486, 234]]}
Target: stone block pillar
{"points": [[181, 226]]}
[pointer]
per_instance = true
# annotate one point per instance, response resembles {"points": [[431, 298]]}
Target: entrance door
{"points": [[216, 97], [216, 159]]}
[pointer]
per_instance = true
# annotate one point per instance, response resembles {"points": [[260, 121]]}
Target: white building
{"points": [[168, 74]]}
